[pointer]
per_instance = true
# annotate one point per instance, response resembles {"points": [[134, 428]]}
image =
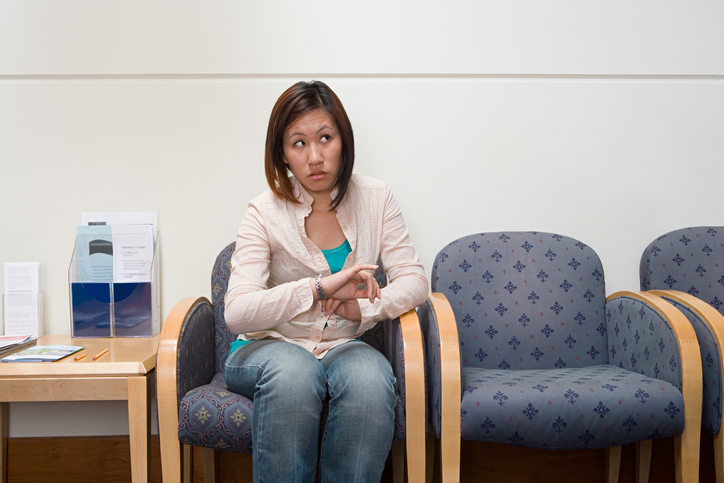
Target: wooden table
{"points": [[121, 374]]}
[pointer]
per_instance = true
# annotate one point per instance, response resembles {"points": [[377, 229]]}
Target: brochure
{"points": [[22, 302], [43, 353], [95, 254]]}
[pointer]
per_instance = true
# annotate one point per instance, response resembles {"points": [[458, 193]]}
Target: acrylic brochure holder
{"points": [[114, 309]]}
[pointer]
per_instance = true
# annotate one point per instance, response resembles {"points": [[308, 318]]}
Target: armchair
{"points": [[686, 268], [195, 408], [545, 360]]}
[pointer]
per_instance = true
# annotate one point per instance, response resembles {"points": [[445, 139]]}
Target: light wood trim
{"points": [[643, 460], [167, 399], [450, 387], [715, 321], [414, 395], [613, 464], [64, 389], [686, 444]]}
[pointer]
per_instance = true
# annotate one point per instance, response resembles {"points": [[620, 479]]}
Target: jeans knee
{"points": [[365, 375]]}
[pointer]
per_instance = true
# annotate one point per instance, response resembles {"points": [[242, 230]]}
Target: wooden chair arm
{"points": [[166, 384], [450, 387], [415, 415], [708, 314]]}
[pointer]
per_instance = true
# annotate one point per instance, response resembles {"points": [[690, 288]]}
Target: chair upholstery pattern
{"points": [[547, 362], [212, 416], [691, 260]]}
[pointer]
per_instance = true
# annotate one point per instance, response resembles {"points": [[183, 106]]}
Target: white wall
{"points": [[598, 120]]}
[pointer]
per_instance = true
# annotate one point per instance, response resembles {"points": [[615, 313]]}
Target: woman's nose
{"points": [[315, 154]]}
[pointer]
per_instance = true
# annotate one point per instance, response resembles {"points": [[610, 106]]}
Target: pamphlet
{"points": [[22, 312], [95, 254], [133, 253], [43, 353], [12, 343]]}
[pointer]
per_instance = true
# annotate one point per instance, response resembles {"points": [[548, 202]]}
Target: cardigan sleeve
{"points": [[407, 287], [250, 305]]}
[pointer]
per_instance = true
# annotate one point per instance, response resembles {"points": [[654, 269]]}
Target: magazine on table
{"points": [[43, 353]]}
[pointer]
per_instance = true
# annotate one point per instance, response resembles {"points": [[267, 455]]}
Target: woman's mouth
{"points": [[318, 175]]}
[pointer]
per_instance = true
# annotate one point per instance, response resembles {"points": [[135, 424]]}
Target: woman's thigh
{"points": [[268, 362], [360, 370]]}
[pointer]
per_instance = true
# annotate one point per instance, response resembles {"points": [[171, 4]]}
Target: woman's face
{"points": [[312, 151]]}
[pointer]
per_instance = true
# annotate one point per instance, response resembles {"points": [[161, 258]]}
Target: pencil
{"points": [[82, 356], [100, 354]]}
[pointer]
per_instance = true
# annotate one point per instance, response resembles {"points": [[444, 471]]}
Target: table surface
{"points": [[125, 356]]}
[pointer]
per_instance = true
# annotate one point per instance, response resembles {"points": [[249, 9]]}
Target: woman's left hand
{"points": [[347, 309]]}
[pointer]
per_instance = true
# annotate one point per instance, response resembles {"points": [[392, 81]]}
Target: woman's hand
{"points": [[342, 292], [343, 284]]}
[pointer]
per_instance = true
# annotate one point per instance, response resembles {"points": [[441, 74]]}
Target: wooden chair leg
{"points": [[429, 455], [4, 419], [719, 456], [209, 461], [613, 464], [187, 464], [398, 462], [643, 460], [686, 452]]}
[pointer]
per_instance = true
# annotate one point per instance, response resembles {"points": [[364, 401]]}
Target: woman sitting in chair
{"points": [[302, 290]]}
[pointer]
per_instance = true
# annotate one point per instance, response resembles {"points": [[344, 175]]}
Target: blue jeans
{"points": [[289, 385]]}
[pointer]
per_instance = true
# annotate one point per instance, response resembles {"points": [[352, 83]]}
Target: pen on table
{"points": [[82, 356], [100, 354]]}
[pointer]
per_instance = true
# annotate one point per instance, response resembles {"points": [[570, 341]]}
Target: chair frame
{"points": [[715, 321], [176, 457], [686, 460]]}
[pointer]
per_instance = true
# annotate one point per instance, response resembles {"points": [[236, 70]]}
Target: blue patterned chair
{"points": [[686, 268], [524, 348], [195, 408]]}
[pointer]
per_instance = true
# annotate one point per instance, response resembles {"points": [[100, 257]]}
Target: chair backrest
{"points": [[219, 285], [224, 337], [690, 260], [525, 300]]}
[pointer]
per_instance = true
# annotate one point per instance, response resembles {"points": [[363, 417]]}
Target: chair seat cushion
{"points": [[214, 417], [590, 407]]}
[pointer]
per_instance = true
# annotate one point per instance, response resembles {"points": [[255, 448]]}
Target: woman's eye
{"points": [[299, 143], [325, 138]]}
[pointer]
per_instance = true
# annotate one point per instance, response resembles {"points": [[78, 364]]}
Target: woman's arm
{"points": [[251, 306], [408, 286]]}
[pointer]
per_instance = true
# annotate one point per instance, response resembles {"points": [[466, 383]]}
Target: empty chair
{"points": [[545, 360], [686, 267]]}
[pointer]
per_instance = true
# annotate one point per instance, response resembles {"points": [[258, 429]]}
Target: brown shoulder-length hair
{"points": [[298, 100]]}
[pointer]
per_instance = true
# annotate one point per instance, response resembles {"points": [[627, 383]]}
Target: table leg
{"points": [[4, 442], [139, 425]]}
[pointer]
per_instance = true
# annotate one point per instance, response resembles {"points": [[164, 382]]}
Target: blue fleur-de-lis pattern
{"points": [[212, 416], [691, 260], [549, 363], [546, 290], [586, 407]]}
